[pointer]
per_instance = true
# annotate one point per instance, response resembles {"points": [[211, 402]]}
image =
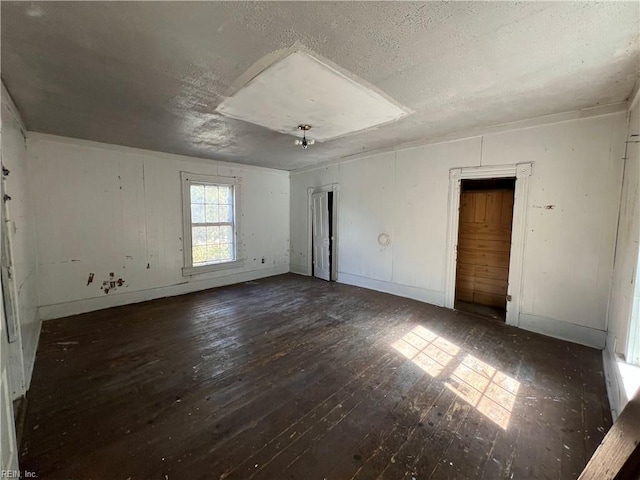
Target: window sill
{"points": [[190, 271], [630, 376], [622, 379]]}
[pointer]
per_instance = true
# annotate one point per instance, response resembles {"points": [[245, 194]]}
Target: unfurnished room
{"points": [[320, 240]]}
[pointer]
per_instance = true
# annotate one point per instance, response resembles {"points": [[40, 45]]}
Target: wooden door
{"points": [[320, 232], [484, 245]]}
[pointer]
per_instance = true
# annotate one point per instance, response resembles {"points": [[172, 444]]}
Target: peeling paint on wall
{"points": [[151, 237], [111, 284]]}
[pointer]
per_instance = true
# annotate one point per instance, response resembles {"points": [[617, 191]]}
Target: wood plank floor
{"points": [[295, 378]]}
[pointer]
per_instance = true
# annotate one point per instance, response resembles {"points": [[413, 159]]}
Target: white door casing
{"points": [[8, 447], [335, 240], [8, 281], [320, 228], [522, 173], [17, 384]]}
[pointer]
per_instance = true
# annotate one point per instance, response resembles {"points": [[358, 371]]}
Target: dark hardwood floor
{"points": [[295, 378]]}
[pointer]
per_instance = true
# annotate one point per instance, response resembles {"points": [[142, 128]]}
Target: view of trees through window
{"points": [[212, 224]]}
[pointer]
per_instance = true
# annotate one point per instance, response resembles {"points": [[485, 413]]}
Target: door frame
{"points": [[7, 368], [9, 289], [335, 188], [11, 309], [522, 173]]}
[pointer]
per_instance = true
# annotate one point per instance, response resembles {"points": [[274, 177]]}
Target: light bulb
{"points": [[297, 142], [311, 142]]}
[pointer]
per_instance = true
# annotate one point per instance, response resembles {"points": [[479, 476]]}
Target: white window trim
{"points": [[187, 180], [633, 342]]}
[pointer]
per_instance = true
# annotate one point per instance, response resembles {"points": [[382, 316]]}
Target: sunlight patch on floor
{"points": [[484, 387], [489, 390], [427, 350]]}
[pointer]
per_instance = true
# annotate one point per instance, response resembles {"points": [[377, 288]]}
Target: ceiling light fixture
{"points": [[304, 142]]}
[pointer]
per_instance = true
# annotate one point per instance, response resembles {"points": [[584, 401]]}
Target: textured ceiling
{"points": [[301, 88], [150, 74]]}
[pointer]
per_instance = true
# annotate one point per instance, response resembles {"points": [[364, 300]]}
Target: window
{"points": [[633, 344], [210, 207]]}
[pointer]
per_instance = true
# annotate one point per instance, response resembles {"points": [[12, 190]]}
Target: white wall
{"points": [[622, 379], [103, 209], [569, 247], [624, 273], [22, 230]]}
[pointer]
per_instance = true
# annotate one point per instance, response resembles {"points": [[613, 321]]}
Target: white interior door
{"points": [[320, 233]]}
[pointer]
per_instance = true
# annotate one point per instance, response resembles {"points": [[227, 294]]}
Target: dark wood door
{"points": [[484, 245]]}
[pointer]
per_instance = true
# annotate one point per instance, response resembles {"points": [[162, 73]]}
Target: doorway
{"points": [[484, 246], [10, 309], [9, 372], [323, 213]]}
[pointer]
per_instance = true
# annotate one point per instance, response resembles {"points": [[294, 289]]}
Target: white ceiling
{"points": [[301, 89], [151, 74]]}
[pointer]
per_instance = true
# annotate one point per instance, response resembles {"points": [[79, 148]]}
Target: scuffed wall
{"points": [[22, 230], [110, 223], [569, 247]]}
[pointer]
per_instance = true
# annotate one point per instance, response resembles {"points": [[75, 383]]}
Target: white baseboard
{"points": [[590, 337], [31, 360], [571, 332], [421, 294], [48, 312], [299, 269]]}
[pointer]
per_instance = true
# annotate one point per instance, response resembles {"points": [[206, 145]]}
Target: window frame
{"points": [[189, 179]]}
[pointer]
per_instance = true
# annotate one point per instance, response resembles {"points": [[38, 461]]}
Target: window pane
{"points": [[197, 193], [213, 235], [197, 213], [226, 234], [211, 194], [198, 236], [211, 213], [199, 254], [225, 251], [213, 253], [225, 213], [212, 204], [226, 195]]}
